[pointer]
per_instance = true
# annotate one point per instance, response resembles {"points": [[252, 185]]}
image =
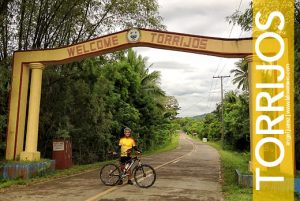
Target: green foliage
{"points": [[241, 75], [230, 162], [88, 101], [236, 123], [236, 120], [244, 19], [92, 101], [168, 146], [53, 23], [4, 93], [208, 127], [59, 174], [297, 81]]}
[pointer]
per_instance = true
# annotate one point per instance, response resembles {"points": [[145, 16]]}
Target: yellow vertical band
{"points": [[272, 118], [31, 153]]}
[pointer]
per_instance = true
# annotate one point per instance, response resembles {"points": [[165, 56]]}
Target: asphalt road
{"points": [[190, 172]]}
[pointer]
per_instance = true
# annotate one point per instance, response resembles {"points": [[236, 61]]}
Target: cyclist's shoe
{"points": [[123, 174], [120, 182], [129, 182]]}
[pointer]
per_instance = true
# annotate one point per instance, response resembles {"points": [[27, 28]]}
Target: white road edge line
{"points": [[167, 163]]}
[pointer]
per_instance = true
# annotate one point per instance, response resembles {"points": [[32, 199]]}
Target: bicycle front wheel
{"points": [[110, 174], [144, 176]]}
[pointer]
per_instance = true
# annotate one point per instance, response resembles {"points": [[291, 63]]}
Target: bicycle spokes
{"points": [[110, 174], [144, 176]]}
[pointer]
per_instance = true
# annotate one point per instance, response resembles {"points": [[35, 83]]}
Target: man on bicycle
{"points": [[126, 144]]}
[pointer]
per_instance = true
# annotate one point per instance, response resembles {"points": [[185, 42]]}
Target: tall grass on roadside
{"points": [[172, 144], [77, 169], [230, 161]]}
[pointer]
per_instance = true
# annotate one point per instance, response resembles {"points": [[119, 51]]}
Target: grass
{"points": [[298, 194], [76, 169], [235, 160], [164, 148], [230, 161], [23, 162], [57, 174]]}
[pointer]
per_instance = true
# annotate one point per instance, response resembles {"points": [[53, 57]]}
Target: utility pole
{"points": [[222, 137]]}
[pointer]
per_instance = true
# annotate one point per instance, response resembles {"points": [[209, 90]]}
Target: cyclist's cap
{"points": [[127, 129]]}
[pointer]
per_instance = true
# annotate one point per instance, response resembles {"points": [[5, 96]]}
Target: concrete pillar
{"points": [[252, 79], [31, 153], [17, 112], [249, 59]]}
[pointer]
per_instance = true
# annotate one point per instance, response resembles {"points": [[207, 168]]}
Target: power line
{"points": [[225, 64], [209, 93], [227, 83], [219, 62], [241, 33], [222, 77], [208, 99], [212, 97], [233, 23], [231, 32]]}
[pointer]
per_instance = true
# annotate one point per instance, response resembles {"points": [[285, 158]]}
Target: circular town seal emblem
{"points": [[133, 35]]}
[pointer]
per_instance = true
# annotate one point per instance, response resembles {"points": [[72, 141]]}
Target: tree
{"points": [[95, 101], [242, 19], [74, 107], [297, 81], [149, 80], [245, 21], [241, 74], [74, 96], [53, 23], [171, 107], [4, 92], [236, 119]]}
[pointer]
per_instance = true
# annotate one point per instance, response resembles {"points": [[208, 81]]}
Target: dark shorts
{"points": [[125, 159]]}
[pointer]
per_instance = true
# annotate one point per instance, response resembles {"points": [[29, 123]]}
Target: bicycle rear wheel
{"points": [[144, 176], [110, 174]]}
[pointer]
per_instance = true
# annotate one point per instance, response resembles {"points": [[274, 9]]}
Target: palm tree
{"points": [[231, 97], [149, 80], [241, 74]]}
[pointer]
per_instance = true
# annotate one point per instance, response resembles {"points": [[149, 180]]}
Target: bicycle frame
{"points": [[133, 160], [113, 173]]}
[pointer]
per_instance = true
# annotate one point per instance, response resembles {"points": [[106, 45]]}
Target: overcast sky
{"points": [[189, 77]]}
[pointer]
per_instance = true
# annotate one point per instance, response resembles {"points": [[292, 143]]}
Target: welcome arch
{"points": [[34, 61]]}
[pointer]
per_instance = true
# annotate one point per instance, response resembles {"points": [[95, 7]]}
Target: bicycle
{"points": [[144, 175]]}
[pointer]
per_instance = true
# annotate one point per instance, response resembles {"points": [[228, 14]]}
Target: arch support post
{"points": [[249, 60], [31, 153]]}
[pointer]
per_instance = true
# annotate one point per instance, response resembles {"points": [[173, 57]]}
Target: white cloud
{"points": [[188, 76]]}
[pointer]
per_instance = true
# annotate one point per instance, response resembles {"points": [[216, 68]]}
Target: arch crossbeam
{"points": [[24, 60]]}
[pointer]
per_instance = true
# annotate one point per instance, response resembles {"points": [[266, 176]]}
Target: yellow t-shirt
{"points": [[126, 143]]}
